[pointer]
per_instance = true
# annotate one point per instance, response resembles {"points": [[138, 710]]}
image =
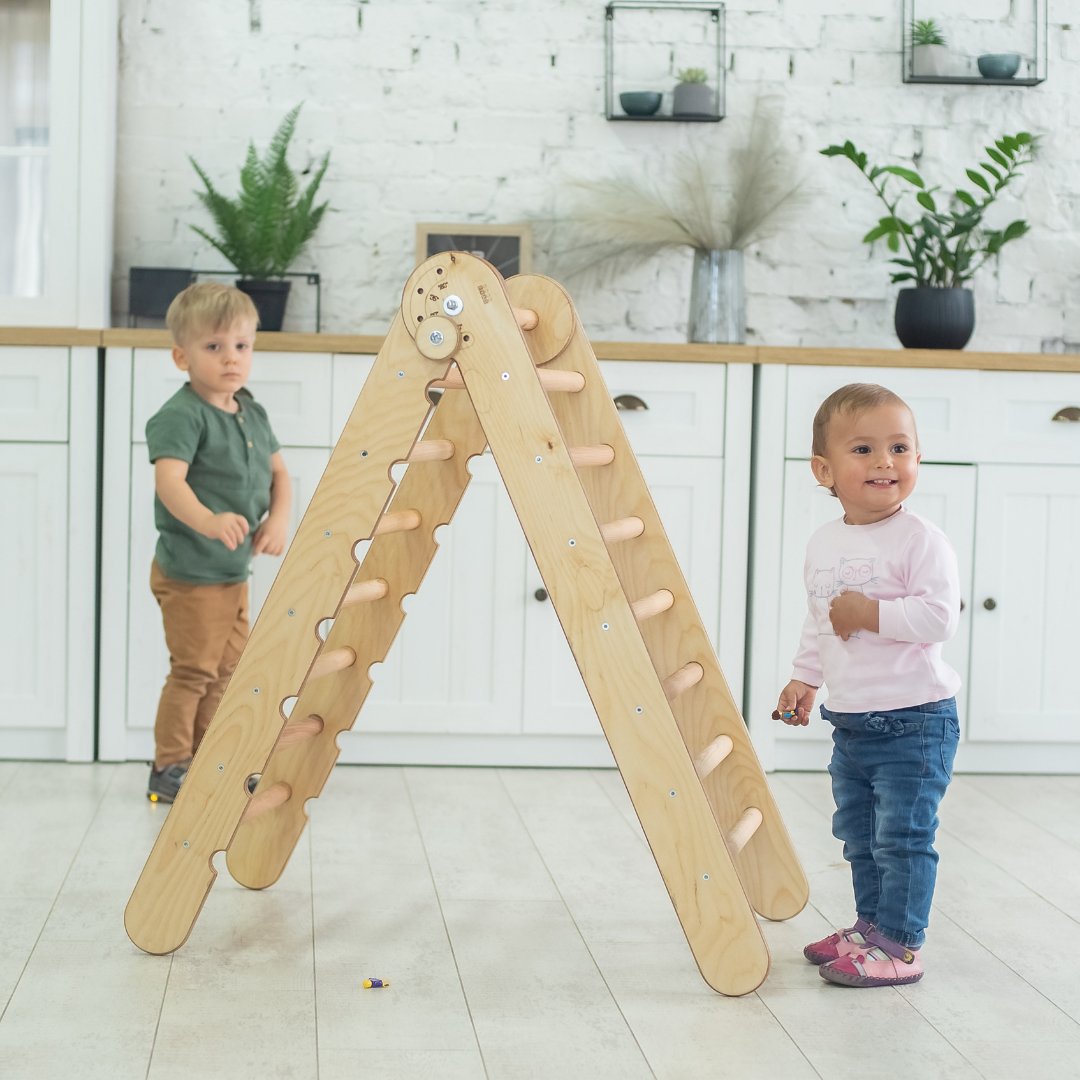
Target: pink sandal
{"points": [[875, 967], [842, 943]]}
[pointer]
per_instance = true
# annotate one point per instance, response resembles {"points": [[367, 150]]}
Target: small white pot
{"points": [[930, 60]]}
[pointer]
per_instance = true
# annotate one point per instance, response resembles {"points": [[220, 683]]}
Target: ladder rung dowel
{"points": [[397, 521], [297, 731], [363, 591], [651, 605], [526, 318], [622, 529], [679, 681], [583, 456], [709, 758], [743, 829], [262, 801], [551, 381], [326, 663], [432, 450]]}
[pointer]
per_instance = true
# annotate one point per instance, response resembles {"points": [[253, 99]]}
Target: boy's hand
{"points": [[850, 612], [270, 537], [227, 527], [795, 703]]}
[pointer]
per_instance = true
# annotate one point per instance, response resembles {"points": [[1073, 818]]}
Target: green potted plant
{"points": [[267, 225], [929, 54], [693, 96], [941, 249]]}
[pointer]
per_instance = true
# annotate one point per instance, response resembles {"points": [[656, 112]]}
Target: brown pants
{"points": [[205, 630]]}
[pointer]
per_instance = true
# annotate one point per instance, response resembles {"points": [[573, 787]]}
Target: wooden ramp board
{"points": [[516, 373]]}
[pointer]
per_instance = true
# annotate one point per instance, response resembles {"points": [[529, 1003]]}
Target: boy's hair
{"points": [[853, 398], [207, 306]]}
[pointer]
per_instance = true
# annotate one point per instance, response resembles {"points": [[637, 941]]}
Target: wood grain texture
{"points": [[314, 575], [770, 872]]}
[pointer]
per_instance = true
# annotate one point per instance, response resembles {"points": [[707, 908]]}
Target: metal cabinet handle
{"points": [[630, 403], [541, 595], [1069, 415], [989, 603]]}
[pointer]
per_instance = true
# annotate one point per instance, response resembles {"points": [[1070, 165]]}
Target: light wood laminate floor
{"points": [[526, 934]]}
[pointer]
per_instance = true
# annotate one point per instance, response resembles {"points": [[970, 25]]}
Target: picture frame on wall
{"points": [[507, 247]]}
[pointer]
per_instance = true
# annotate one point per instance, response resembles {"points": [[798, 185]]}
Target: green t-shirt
{"points": [[228, 456]]}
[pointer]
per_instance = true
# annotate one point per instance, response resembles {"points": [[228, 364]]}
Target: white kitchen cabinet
{"points": [[480, 673], [47, 551], [1026, 599], [1013, 526]]}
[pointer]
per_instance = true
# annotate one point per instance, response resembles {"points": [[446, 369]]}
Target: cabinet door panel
{"points": [[1027, 593], [33, 621], [687, 493], [945, 495], [294, 388], [34, 395], [456, 664], [148, 659]]}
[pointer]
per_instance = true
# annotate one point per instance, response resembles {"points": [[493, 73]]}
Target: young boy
{"points": [[883, 594], [217, 471]]}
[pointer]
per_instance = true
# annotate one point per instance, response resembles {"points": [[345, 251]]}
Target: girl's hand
{"points": [[796, 703], [850, 612], [227, 527]]}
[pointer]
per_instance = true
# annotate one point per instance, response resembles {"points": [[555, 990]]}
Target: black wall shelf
{"points": [[660, 39], [971, 38]]}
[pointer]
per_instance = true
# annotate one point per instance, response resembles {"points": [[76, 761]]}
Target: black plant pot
{"points": [[269, 298], [929, 318]]}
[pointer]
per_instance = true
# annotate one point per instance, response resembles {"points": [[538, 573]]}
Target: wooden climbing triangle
{"points": [[519, 375]]}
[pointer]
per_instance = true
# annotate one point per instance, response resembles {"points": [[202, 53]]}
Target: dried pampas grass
{"points": [[717, 198]]}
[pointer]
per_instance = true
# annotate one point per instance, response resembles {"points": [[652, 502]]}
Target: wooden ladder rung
{"points": [[743, 829], [708, 759], [551, 381], [299, 730], [431, 450], [679, 681], [651, 605], [363, 591], [622, 529], [326, 663], [262, 801], [397, 521], [585, 456]]}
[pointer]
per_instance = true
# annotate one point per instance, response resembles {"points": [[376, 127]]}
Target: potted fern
{"points": [[942, 248], [266, 226]]}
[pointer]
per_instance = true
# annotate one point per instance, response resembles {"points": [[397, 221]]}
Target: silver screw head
{"points": [[453, 305], [436, 337]]}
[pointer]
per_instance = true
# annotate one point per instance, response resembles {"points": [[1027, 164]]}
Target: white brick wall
{"points": [[476, 112]]}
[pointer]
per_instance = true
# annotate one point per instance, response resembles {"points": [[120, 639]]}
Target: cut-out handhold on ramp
{"points": [[517, 374]]}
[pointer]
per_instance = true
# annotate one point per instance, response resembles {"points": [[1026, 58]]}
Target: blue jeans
{"points": [[889, 772]]}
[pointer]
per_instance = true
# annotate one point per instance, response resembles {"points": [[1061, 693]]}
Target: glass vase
{"points": [[717, 298]]}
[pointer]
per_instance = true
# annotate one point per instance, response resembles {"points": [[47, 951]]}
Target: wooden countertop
{"points": [[605, 350]]}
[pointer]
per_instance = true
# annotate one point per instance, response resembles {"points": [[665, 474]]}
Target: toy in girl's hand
{"points": [[787, 714]]}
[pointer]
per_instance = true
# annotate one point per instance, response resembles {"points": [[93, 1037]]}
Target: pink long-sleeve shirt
{"points": [[908, 565]]}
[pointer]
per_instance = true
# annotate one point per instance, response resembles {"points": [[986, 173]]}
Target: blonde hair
{"points": [[207, 306], [853, 398]]}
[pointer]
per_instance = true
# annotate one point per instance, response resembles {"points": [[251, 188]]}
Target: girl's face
{"points": [[871, 460]]}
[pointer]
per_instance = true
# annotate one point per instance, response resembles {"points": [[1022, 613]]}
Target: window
{"points": [[24, 145]]}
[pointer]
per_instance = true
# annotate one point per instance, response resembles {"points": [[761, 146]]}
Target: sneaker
{"points": [[874, 967], [165, 783], [842, 943]]}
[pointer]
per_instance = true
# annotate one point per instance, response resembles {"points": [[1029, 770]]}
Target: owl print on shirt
{"points": [[851, 575]]}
